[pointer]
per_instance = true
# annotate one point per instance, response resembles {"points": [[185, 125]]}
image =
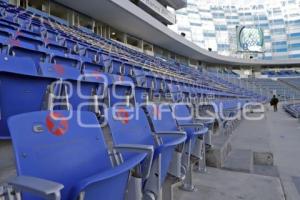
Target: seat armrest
{"points": [[148, 149], [36, 186], [205, 121], [170, 133], [192, 125], [104, 176]]}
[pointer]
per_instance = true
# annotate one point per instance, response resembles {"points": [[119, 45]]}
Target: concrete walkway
{"points": [[220, 184], [285, 145], [277, 133], [280, 134]]}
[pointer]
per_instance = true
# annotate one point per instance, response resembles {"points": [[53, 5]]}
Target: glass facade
{"points": [[212, 25]]}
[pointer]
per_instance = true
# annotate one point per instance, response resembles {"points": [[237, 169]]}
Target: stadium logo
{"points": [[250, 39]]}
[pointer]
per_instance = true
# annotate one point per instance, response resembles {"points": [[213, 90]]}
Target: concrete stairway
{"points": [[239, 160]]}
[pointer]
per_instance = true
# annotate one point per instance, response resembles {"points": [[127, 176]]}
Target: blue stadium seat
{"points": [[163, 123], [22, 90], [92, 54], [55, 48], [27, 48], [129, 125], [121, 90], [194, 130], [66, 59], [74, 90], [76, 162]]}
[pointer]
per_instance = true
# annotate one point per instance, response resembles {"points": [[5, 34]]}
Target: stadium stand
{"points": [[293, 82], [293, 109], [281, 73], [44, 63], [282, 90]]}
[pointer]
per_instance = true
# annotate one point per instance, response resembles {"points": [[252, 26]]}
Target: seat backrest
{"points": [[161, 117], [182, 113], [129, 125], [65, 60], [24, 52], [22, 90], [57, 48], [121, 90], [28, 42], [116, 67], [17, 65], [54, 146], [59, 71]]}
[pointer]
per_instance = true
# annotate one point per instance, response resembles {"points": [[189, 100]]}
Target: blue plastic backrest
{"points": [[69, 43], [68, 60], [87, 88], [17, 65], [105, 60], [141, 94], [161, 117], [31, 35], [4, 36], [91, 53], [29, 43], [128, 69], [182, 113], [120, 89], [59, 71], [89, 67], [129, 125], [57, 48], [150, 82], [51, 35], [21, 51], [116, 66], [60, 150], [21, 89]]}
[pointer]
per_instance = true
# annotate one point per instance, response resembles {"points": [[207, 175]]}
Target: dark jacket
{"points": [[274, 101]]}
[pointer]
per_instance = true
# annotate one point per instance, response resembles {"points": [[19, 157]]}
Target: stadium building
{"points": [[214, 27], [149, 100]]}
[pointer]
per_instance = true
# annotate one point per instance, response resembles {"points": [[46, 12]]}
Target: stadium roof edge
{"points": [[127, 17]]}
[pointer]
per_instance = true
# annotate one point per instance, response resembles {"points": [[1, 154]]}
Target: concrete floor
{"points": [[220, 184], [285, 145], [277, 133]]}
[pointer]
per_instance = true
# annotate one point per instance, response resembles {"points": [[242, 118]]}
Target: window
{"points": [[147, 47], [117, 35], [133, 41], [42, 5], [61, 11]]}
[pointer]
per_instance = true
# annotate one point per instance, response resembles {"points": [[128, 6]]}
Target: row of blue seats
{"points": [[104, 63], [35, 86], [56, 156], [68, 46], [293, 109], [282, 73], [88, 168]]}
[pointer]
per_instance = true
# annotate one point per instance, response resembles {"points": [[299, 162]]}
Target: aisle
{"points": [[279, 134], [285, 144]]}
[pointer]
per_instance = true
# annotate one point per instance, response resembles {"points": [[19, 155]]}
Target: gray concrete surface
{"points": [[240, 160], [220, 184], [7, 163], [254, 135], [278, 134], [285, 145]]}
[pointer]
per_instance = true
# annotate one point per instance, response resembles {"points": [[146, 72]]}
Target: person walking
{"points": [[274, 102]]}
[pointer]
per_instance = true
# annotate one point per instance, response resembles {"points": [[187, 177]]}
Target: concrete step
{"points": [[240, 160], [216, 156]]}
